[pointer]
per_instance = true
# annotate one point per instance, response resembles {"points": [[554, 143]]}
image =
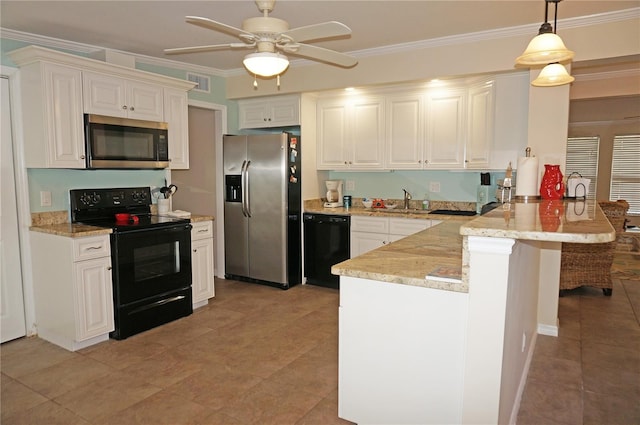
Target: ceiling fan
{"points": [[270, 36]]}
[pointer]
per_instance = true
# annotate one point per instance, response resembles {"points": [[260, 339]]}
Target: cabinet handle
{"points": [[195, 250], [93, 247], [124, 106], [202, 231], [419, 161], [109, 268], [132, 108], [81, 156]]}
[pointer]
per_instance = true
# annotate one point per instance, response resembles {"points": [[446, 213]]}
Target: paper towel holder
{"points": [[527, 198]]}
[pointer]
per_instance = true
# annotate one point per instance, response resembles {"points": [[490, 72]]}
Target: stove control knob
{"points": [[135, 196], [95, 198]]}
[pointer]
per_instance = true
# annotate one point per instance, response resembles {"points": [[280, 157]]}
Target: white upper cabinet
{"points": [[279, 111], [446, 114], [350, 133], [405, 131], [480, 124], [176, 110], [52, 114], [57, 89], [118, 97]]}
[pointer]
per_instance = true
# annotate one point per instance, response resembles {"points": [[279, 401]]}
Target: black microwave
{"points": [[113, 143]]}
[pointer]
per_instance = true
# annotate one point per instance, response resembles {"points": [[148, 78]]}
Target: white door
{"points": [[12, 322]]}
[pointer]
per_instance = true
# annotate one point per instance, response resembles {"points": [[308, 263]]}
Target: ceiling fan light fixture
{"points": [[554, 74], [266, 64], [543, 49]]}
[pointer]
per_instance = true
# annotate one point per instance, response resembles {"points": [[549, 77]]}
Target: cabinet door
{"points": [[94, 298], [64, 124], [104, 95], [445, 128], [479, 126], [144, 101], [362, 242], [331, 135], [177, 116], [252, 114], [202, 281], [284, 112], [407, 226], [367, 134], [405, 132]]}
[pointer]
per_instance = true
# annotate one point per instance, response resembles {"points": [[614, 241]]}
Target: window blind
{"points": [[625, 171], [582, 158]]}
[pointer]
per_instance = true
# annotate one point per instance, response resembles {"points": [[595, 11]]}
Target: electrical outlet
{"points": [[45, 198], [434, 187], [351, 185]]}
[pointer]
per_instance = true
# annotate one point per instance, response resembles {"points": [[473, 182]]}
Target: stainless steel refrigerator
{"points": [[262, 209]]}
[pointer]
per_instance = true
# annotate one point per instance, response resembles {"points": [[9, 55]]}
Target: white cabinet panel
{"points": [[350, 133], [405, 131], [279, 111], [118, 97], [362, 242], [73, 291], [369, 233], [52, 109], [202, 265], [94, 298], [176, 110], [480, 126], [445, 128]]}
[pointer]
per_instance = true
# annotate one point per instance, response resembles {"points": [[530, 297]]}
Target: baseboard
{"points": [[548, 329], [523, 381]]}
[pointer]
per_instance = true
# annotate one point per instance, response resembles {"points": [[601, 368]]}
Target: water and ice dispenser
{"points": [[233, 188]]}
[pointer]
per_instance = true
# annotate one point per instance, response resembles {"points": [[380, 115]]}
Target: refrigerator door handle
{"points": [[243, 188], [247, 185]]}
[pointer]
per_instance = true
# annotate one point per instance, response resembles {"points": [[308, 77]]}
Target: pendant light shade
{"points": [[551, 75], [266, 64], [543, 49]]}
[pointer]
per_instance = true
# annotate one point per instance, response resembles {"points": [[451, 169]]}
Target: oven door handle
{"points": [[247, 198], [158, 304]]}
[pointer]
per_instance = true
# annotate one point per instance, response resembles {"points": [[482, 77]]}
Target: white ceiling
{"points": [[148, 27]]}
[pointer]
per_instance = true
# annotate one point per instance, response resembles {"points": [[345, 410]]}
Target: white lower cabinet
{"points": [[369, 233], [202, 266], [72, 289]]}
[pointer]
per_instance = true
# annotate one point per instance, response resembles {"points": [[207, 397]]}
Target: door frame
{"points": [[22, 196], [220, 117]]}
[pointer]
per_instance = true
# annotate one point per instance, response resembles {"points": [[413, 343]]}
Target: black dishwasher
{"points": [[326, 242]]}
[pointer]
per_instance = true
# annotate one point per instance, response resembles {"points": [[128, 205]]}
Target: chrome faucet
{"points": [[407, 198]]}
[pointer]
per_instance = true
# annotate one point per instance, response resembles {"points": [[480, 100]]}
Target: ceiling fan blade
{"points": [[209, 48], [318, 31], [321, 54], [218, 26]]}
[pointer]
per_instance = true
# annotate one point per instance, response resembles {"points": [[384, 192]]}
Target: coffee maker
{"points": [[334, 193]]}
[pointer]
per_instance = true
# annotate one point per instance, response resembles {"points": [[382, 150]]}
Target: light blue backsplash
{"points": [[454, 186], [60, 181]]}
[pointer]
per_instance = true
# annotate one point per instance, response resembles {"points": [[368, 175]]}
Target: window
{"points": [[582, 158], [625, 171]]}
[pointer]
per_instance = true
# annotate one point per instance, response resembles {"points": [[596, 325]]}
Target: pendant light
{"points": [[547, 47], [554, 74]]}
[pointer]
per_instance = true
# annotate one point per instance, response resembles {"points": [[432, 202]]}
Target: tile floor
{"points": [[260, 355]]}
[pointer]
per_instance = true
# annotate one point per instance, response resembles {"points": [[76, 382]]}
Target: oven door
{"points": [[150, 262]]}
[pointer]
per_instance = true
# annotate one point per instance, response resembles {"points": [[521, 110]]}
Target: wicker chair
{"points": [[590, 264]]}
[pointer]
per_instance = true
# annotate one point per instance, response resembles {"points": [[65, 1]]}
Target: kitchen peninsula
{"points": [[455, 348]]}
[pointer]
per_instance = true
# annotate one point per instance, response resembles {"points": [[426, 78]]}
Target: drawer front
{"points": [[407, 226], [370, 224], [202, 230], [91, 247]]}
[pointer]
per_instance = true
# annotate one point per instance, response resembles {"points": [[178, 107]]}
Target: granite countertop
{"points": [[545, 220], [383, 212], [440, 248], [56, 223]]}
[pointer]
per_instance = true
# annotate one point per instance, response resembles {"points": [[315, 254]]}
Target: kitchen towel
{"points": [[527, 176]]}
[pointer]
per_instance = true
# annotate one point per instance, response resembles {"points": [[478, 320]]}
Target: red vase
{"points": [[552, 186]]}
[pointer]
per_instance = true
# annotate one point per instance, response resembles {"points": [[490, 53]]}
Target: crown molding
{"points": [[608, 75], [577, 22]]}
